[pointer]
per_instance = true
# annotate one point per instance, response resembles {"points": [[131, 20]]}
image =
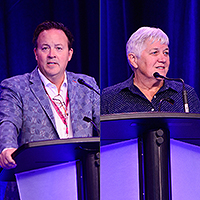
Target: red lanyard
{"points": [[62, 117]]}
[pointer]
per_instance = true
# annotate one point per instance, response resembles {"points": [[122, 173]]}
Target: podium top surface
{"points": [[35, 155], [149, 115], [121, 126]]}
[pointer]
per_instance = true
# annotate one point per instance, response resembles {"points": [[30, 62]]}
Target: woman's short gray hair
{"points": [[136, 43]]}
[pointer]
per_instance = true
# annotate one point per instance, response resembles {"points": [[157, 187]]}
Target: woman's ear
{"points": [[133, 60]]}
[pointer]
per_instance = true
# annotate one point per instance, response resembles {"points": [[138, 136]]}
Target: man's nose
{"points": [[51, 53]]}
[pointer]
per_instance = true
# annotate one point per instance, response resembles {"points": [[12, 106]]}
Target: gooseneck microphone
{"points": [[87, 119], [169, 100], [184, 92], [81, 81]]}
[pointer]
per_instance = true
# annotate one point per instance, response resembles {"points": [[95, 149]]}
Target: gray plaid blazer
{"points": [[26, 115]]}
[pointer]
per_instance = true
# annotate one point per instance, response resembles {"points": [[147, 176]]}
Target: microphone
{"points": [[87, 119], [184, 92], [169, 100], [81, 81]]}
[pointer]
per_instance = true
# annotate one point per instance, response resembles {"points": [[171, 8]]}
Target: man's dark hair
{"points": [[47, 25]]}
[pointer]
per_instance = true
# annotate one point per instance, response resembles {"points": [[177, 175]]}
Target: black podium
{"points": [[148, 160], [68, 166]]}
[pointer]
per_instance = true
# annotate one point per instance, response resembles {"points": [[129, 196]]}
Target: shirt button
{"points": [[152, 109], [154, 96]]}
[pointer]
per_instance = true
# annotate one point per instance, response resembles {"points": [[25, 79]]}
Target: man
{"points": [[48, 103], [148, 52]]}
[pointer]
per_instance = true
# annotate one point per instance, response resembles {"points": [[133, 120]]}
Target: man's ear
{"points": [[70, 54], [34, 50], [133, 60]]}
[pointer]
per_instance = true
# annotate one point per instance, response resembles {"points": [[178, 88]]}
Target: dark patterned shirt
{"points": [[126, 97]]}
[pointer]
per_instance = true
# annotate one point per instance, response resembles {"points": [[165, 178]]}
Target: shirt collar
{"points": [[126, 84], [47, 83], [166, 86], [170, 85]]}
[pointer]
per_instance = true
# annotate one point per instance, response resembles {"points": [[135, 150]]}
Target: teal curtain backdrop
{"points": [[179, 19]]}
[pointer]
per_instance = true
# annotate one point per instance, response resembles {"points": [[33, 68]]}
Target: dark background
{"points": [[19, 18], [179, 19]]}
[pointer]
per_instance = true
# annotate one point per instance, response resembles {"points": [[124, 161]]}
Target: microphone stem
{"points": [[96, 128], [185, 100], [184, 92], [81, 81]]}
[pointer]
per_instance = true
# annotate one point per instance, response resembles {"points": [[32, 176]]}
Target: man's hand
{"points": [[6, 160]]}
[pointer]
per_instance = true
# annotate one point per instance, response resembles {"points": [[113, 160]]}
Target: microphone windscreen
{"points": [[81, 81], [157, 75], [87, 119]]}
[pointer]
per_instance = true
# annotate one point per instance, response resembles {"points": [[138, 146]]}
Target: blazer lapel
{"points": [[72, 89], [39, 92]]}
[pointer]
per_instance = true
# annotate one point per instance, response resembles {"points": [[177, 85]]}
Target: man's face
{"points": [[52, 53], [154, 58]]}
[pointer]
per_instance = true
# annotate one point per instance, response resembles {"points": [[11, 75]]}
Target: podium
{"points": [[153, 155], [57, 169]]}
